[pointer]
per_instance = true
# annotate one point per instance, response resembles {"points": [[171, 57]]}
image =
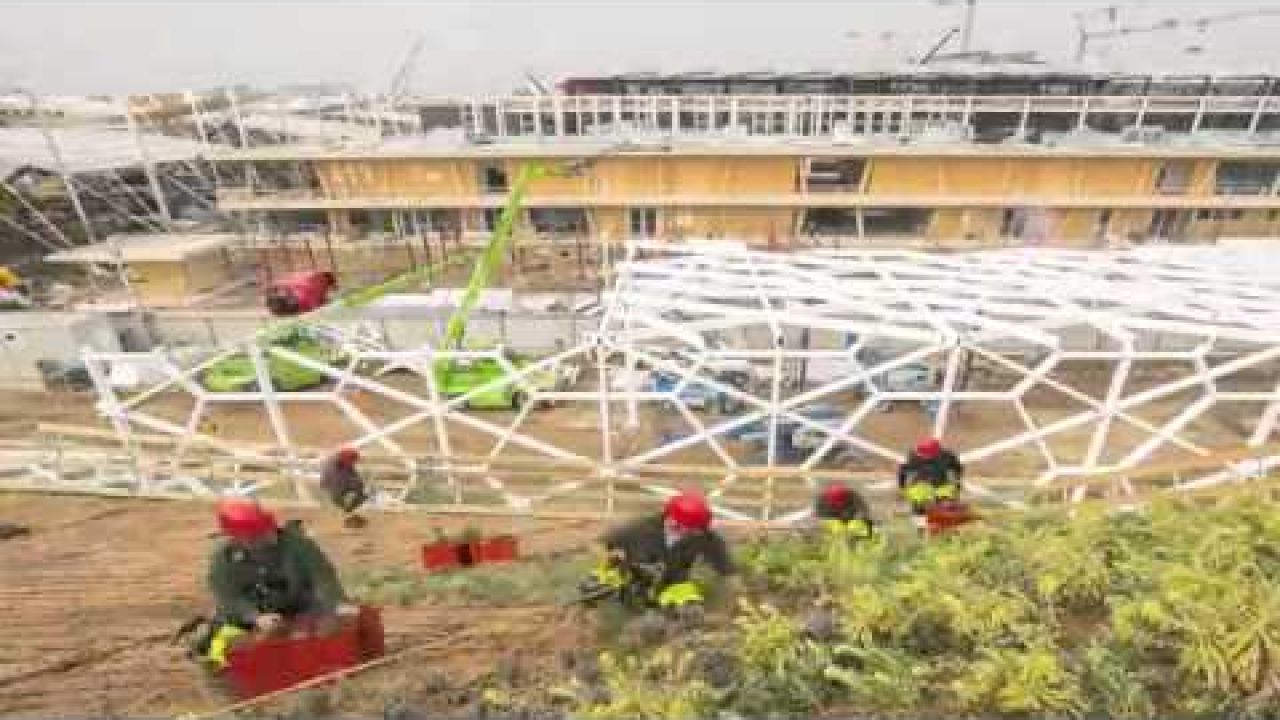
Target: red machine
{"points": [[268, 664], [300, 292], [944, 517]]}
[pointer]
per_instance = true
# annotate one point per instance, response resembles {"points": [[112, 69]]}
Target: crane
{"points": [[966, 26], [404, 74], [1084, 36], [937, 47]]}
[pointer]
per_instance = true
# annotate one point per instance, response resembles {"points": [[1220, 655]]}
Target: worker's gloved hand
{"points": [[268, 623]]}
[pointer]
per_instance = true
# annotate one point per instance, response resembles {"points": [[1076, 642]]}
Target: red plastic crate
{"points": [[440, 556], [500, 549], [943, 518], [269, 664]]}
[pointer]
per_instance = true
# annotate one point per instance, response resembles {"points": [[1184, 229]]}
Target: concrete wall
{"points": [[30, 336], [521, 330]]}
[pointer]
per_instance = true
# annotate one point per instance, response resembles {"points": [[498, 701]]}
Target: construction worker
{"points": [[648, 561], [841, 512], [346, 488], [930, 475], [261, 576]]}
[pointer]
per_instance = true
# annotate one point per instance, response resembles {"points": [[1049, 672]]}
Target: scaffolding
{"points": [[1108, 363]]}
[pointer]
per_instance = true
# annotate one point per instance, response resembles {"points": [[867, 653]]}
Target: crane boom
{"points": [[1085, 36], [491, 257]]}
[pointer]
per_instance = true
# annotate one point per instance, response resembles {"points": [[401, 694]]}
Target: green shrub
{"points": [[1116, 684], [876, 678], [781, 669], [657, 685], [1015, 681]]}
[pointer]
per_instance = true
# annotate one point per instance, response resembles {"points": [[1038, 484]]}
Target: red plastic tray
{"points": [[501, 549], [269, 664]]}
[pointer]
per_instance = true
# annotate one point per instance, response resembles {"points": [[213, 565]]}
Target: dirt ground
{"points": [[93, 594]]}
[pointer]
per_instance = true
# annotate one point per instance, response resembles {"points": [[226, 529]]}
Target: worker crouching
{"points": [[649, 561], [932, 474], [841, 513], [344, 485], [262, 576]]}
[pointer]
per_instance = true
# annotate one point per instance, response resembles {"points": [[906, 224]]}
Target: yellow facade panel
{"points": [[176, 283], [623, 177], [761, 174], [903, 175], [397, 178], [1116, 176], [973, 176], [610, 224], [207, 272], [1044, 176], [158, 283], [695, 175]]}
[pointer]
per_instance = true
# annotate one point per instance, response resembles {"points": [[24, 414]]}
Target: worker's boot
{"points": [[214, 684]]}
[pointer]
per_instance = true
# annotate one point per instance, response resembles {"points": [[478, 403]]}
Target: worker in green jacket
{"points": [[649, 561], [262, 576]]}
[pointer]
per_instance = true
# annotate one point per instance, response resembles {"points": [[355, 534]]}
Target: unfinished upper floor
{"points": [[828, 176]]}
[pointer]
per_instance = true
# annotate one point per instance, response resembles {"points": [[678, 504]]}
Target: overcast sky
{"points": [[487, 45]]}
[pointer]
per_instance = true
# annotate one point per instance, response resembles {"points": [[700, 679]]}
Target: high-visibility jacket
{"points": [[644, 542]]}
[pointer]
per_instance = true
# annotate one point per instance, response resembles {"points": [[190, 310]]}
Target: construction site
{"points": [[534, 317]]}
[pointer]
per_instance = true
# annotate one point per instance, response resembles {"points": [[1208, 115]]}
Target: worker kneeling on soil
{"points": [[931, 474], [840, 512], [649, 560], [262, 576], [344, 485]]}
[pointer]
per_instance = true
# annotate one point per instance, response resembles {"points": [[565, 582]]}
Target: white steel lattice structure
{"points": [[1041, 368]]}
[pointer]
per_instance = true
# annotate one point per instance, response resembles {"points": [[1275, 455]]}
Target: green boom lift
{"points": [[455, 377]]}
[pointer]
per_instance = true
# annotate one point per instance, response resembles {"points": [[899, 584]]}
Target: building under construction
{"points": [[930, 160]]}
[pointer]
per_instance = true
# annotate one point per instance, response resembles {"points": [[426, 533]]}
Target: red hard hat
{"points": [[928, 448], [689, 511], [348, 455], [244, 519], [836, 495]]}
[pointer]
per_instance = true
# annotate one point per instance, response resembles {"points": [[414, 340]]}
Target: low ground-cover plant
{"points": [[1173, 611], [536, 581]]}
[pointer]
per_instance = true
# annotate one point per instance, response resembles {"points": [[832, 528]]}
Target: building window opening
{"points": [[1104, 224], [833, 174], [1013, 223], [643, 222], [831, 222], [559, 221], [489, 219], [896, 221], [493, 178], [1174, 177], [1246, 178]]}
